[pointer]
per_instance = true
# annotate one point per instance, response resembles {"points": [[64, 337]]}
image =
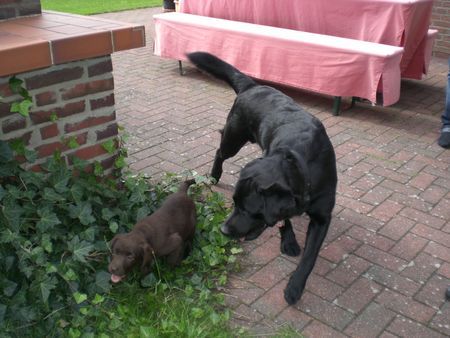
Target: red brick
{"points": [[107, 101], [422, 180], [100, 68], [349, 270], [45, 98], [293, 317], [379, 257], [15, 123], [317, 329], [442, 210], [397, 227], [5, 90], [243, 291], [323, 287], [5, 110], [265, 252], [376, 195], [409, 246], [72, 108], [433, 194], [109, 131], [391, 174], [49, 131], [404, 327], [405, 306], [440, 322], [444, 270], [367, 182], [53, 77], [438, 250], [422, 217], [371, 238], [365, 290], [272, 273], [49, 148], [324, 311], [393, 280], [432, 234], [355, 205], [371, 322], [89, 122], [349, 215], [386, 210], [339, 249], [89, 152], [272, 302], [84, 89], [421, 268], [432, 293]]}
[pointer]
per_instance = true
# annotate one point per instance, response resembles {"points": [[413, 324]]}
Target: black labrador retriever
{"points": [[296, 174]]}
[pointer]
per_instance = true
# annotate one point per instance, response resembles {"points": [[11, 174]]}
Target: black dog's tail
{"points": [[222, 70], [184, 186]]}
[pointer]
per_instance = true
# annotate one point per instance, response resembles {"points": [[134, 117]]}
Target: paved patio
{"points": [[386, 262]]}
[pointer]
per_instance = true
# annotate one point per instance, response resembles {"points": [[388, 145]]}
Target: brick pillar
{"points": [[440, 20], [80, 95], [16, 8]]}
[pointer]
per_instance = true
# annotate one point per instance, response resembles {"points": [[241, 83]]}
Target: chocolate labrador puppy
{"points": [[296, 174], [168, 232]]}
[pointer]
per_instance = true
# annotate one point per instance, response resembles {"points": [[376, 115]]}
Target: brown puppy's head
{"points": [[127, 252]]}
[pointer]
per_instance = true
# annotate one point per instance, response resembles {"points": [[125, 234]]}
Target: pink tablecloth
{"points": [[329, 65], [392, 22]]}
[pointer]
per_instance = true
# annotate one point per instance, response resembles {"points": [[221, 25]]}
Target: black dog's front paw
{"points": [[292, 294], [290, 248]]}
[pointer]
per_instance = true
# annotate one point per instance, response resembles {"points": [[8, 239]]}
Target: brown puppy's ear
{"points": [[279, 203], [147, 257]]}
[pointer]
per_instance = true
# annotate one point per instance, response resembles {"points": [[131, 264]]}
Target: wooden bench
{"points": [[321, 63]]}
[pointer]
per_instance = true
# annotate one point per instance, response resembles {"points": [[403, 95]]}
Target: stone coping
{"points": [[30, 43]]}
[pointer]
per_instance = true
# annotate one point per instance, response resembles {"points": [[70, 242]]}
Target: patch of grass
{"points": [[88, 7]]}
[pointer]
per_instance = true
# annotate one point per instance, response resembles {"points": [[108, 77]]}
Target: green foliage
{"points": [[87, 7], [22, 107], [54, 235]]}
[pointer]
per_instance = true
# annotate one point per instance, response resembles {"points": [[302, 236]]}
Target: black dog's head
{"points": [[128, 251], [269, 189]]}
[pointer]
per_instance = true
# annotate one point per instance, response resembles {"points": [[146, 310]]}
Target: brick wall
{"points": [[440, 20], [81, 95], [15, 8]]}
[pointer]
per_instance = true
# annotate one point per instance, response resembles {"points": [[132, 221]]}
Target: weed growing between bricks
{"points": [[55, 229]]}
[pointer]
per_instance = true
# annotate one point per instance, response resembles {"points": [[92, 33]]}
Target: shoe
{"points": [[444, 139]]}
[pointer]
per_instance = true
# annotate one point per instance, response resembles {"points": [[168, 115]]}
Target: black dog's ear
{"points": [[279, 203]]}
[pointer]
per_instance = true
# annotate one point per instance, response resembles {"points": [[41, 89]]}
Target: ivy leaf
{"points": [[15, 84], [51, 195], [102, 279], [48, 220], [2, 313], [9, 287], [46, 287], [107, 214], [82, 211], [77, 192], [60, 179], [109, 146], [149, 281], [79, 297], [2, 192], [13, 213], [22, 107], [6, 153], [113, 226], [80, 249]]}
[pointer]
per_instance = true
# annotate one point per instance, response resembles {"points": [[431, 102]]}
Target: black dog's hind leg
{"points": [[289, 245], [317, 230]]}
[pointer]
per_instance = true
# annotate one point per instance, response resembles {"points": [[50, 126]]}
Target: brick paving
{"points": [[386, 262]]}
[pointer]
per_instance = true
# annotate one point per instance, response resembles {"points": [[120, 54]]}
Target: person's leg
{"points": [[444, 139]]}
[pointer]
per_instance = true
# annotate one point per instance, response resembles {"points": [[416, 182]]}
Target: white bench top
{"points": [[357, 46]]}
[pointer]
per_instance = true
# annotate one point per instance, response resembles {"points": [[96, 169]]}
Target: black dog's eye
{"points": [[130, 256]]}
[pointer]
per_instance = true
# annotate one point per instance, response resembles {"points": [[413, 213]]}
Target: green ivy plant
{"points": [[54, 233], [23, 106]]}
